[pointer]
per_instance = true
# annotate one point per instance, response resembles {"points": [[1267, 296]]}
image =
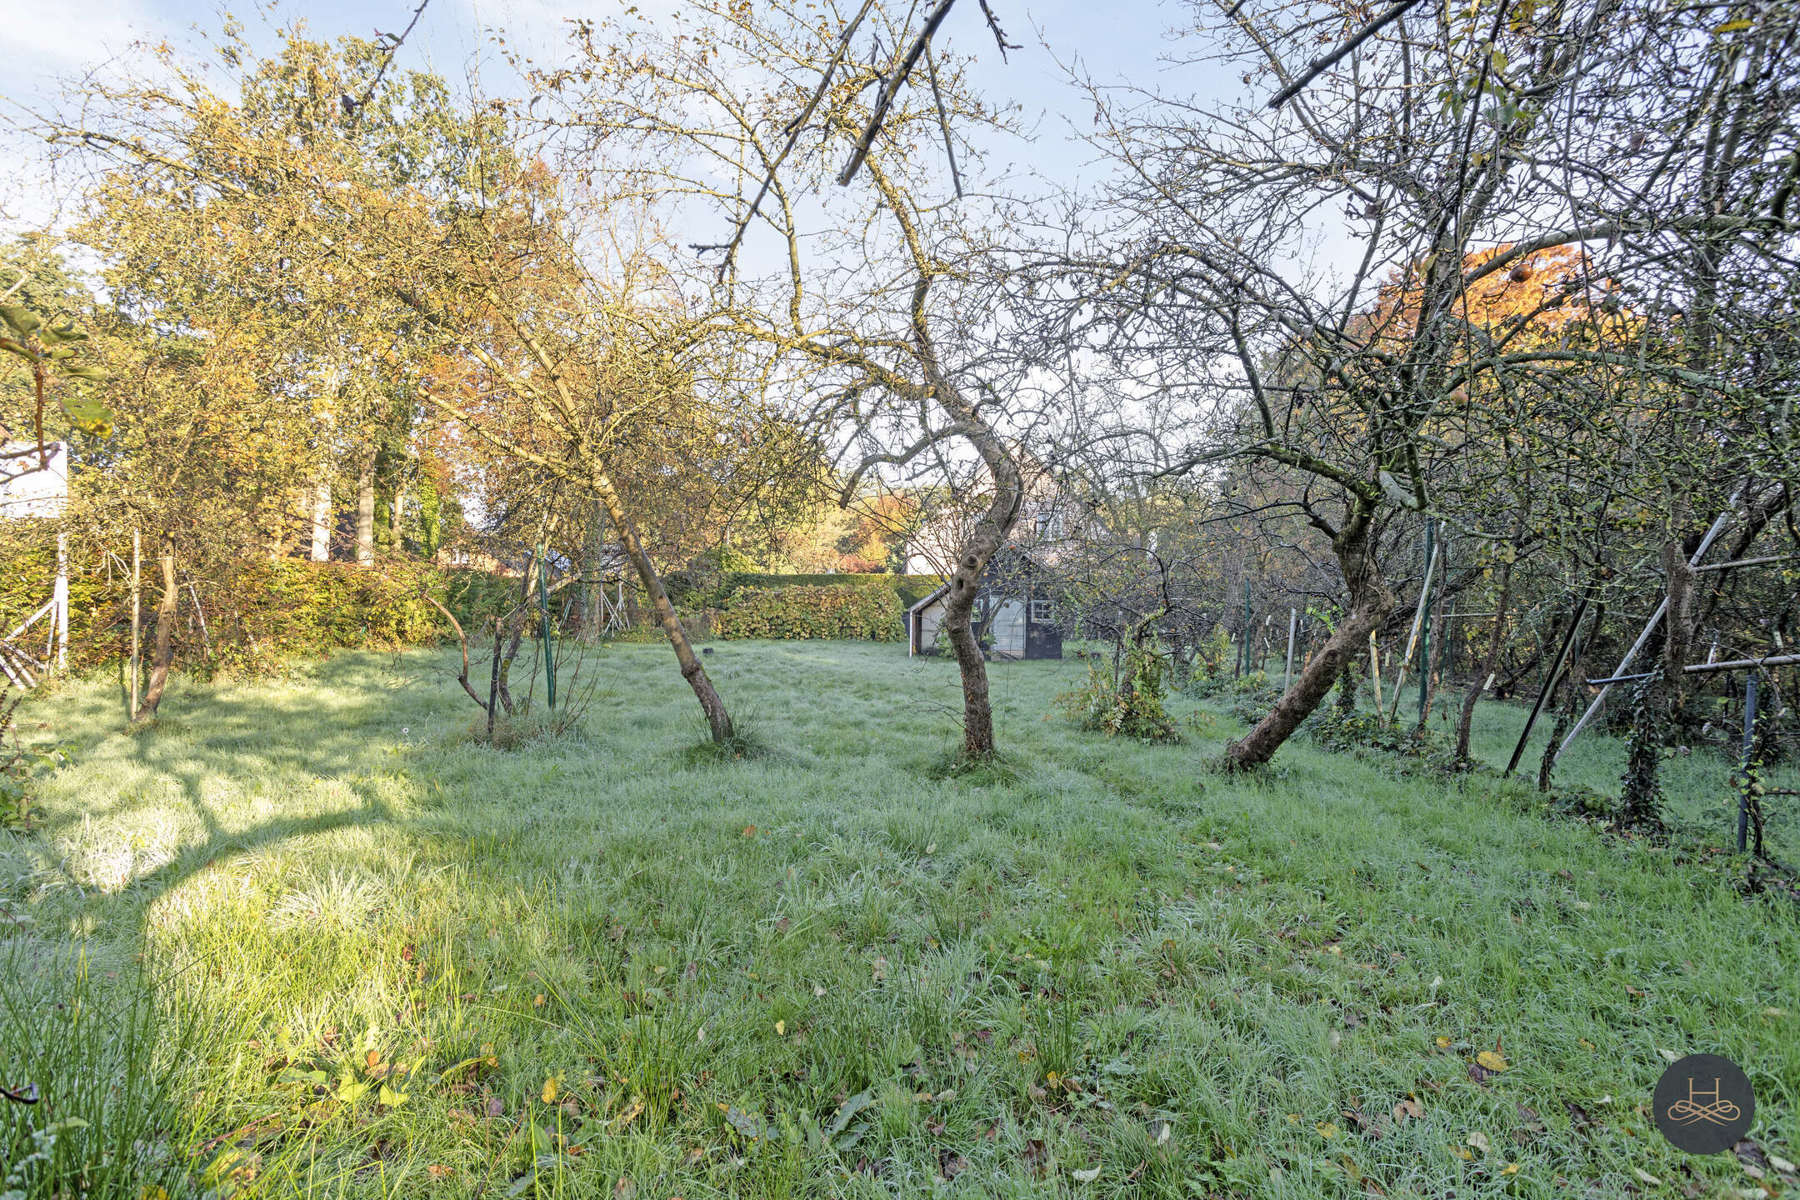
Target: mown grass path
{"points": [[610, 965]]}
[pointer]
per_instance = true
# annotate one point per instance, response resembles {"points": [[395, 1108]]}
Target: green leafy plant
{"points": [[1128, 704]]}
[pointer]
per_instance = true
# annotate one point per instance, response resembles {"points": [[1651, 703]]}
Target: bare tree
{"points": [[875, 304]]}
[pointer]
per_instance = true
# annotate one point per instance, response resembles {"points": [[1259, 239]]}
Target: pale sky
{"points": [[1114, 43]]}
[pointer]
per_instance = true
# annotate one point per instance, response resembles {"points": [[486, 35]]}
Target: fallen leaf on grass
{"points": [[1492, 1060], [951, 1164], [1408, 1108], [747, 1124], [1087, 1176]]}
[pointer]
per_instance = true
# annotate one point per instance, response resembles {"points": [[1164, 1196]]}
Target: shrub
{"points": [[811, 612], [1132, 706]]}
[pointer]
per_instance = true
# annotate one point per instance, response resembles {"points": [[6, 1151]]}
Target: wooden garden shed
{"points": [[1014, 617]]}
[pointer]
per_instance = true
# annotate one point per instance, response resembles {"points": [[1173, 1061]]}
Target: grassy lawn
{"points": [[609, 964]]}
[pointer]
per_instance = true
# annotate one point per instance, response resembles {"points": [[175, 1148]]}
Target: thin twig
{"points": [[1319, 66], [794, 130], [882, 103], [943, 118], [355, 107]]}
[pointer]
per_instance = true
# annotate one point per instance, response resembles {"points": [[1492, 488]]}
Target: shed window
{"points": [[1040, 611]]}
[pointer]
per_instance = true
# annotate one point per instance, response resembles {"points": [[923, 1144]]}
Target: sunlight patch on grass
{"points": [[836, 968]]}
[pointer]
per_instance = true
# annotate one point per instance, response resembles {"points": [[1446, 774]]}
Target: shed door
{"points": [[1009, 629]]}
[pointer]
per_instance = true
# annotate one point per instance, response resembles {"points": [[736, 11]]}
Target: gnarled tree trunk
{"points": [[163, 656], [990, 533]]}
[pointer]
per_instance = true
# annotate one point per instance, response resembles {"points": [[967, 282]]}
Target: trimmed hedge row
{"points": [[909, 588], [290, 608], [811, 611], [268, 611], [259, 614]]}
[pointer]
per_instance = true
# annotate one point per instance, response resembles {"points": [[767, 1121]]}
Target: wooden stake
{"points": [[59, 621], [1375, 670], [1287, 676], [137, 571]]}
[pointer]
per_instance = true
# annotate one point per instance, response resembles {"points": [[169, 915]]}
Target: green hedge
{"points": [[268, 611], [256, 615], [814, 611], [910, 589]]}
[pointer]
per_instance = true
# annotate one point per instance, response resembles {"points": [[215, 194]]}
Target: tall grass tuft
{"points": [[97, 1063]]}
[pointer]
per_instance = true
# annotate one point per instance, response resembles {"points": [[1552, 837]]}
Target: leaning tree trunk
{"points": [[163, 656], [989, 534], [1370, 601], [718, 720]]}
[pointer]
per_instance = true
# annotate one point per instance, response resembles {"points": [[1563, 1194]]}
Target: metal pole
{"points": [[543, 575], [1431, 557], [1412, 640], [1749, 751], [1550, 678], [1718, 527], [60, 619], [1287, 676], [1709, 668]]}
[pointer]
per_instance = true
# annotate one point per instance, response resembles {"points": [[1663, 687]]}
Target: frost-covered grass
{"points": [[606, 964]]}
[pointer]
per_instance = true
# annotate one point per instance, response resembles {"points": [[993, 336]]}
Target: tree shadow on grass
{"points": [[76, 941], [206, 742]]}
